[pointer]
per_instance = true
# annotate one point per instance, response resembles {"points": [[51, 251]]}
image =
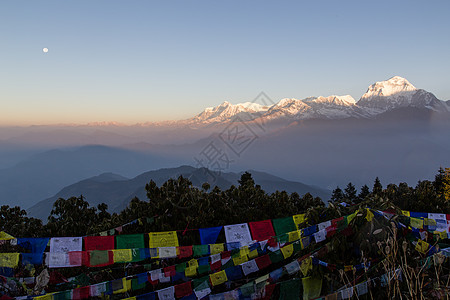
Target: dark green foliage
{"points": [[337, 195]]}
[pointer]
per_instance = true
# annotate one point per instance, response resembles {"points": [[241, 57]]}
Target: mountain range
{"points": [[394, 131], [117, 191]]}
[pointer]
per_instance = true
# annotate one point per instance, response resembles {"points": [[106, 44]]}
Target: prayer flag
{"points": [[98, 243], [209, 235], [238, 233], [284, 225], [218, 278], [298, 220], [163, 239], [262, 230], [66, 244], [130, 241]]}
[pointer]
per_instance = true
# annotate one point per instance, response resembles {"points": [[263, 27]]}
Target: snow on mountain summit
{"points": [[394, 86]]}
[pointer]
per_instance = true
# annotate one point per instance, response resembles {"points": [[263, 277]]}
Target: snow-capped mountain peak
{"points": [[336, 100], [394, 86]]}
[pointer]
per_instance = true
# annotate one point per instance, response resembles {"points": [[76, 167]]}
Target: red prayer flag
{"points": [[225, 254], [98, 242], [183, 289], [185, 251], [170, 271], [263, 261], [262, 230], [77, 258], [81, 293], [216, 266], [269, 291]]}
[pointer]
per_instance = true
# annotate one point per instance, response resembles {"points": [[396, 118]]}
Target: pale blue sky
{"points": [[139, 61]]}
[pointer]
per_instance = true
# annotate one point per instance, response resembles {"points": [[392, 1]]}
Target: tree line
{"points": [[177, 204]]}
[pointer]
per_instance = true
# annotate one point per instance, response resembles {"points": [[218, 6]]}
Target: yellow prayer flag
{"points": [[405, 213], [9, 260], [190, 271], [253, 254], [130, 298], [216, 248], [369, 216], [417, 223], [122, 255], [429, 222], [306, 265], [244, 251], [163, 239], [351, 217], [299, 219], [193, 263], [422, 246], [287, 250], [240, 260], [5, 236], [294, 235], [218, 278]]}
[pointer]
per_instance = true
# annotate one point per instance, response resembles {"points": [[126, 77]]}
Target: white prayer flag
{"points": [[167, 293], [66, 244], [292, 267], [167, 252], [249, 267], [320, 235], [324, 225], [238, 233]]}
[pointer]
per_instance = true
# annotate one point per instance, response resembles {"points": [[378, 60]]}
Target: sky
{"points": [[146, 61]]}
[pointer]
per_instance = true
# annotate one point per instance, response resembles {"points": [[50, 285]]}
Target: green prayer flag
{"points": [[135, 284], [228, 264], [284, 225], [200, 250], [180, 267], [130, 241], [136, 255], [290, 289], [276, 256], [65, 295], [202, 269], [200, 283], [98, 257]]}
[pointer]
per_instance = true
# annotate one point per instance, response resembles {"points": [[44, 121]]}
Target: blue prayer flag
{"points": [[209, 235]]}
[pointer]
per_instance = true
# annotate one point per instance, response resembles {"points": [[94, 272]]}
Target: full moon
{"points": [[45, 50]]}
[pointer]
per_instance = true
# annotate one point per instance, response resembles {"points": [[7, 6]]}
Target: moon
{"points": [[45, 50]]}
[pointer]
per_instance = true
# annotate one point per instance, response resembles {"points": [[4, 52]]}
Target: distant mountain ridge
{"points": [[380, 97], [117, 191]]}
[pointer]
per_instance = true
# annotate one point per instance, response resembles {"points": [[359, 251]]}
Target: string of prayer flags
{"points": [[284, 225], [163, 239], [262, 230], [209, 235], [218, 278], [99, 243], [66, 244], [238, 233]]}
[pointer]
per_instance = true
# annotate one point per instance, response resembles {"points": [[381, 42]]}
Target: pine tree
{"points": [[350, 193], [363, 193], [377, 187], [337, 195]]}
